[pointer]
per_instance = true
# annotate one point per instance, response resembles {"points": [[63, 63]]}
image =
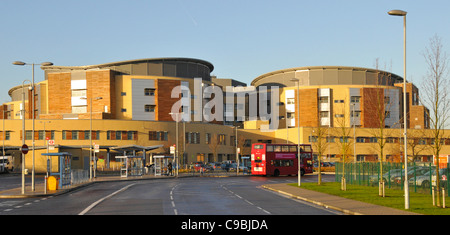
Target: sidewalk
{"points": [[343, 205]]}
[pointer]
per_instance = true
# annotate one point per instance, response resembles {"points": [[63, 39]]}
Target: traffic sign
{"points": [[24, 149]]}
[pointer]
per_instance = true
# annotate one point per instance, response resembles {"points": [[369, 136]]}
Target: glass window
{"points": [[259, 146], [150, 108], [149, 91]]}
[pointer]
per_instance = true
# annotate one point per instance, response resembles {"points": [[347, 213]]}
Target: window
{"points": [[157, 135], [323, 114], [290, 100], [259, 146], [360, 140], [149, 91], [312, 139], [373, 139], [79, 109], [208, 138], [78, 93], [192, 137], [338, 101], [74, 135], [118, 135], [41, 135], [355, 99], [150, 108], [247, 143], [222, 139], [343, 139], [356, 113], [330, 140], [28, 135], [323, 99]]}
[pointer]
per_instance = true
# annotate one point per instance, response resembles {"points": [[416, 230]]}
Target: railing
{"points": [[421, 176]]}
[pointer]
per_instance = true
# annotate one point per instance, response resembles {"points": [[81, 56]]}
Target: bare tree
{"points": [[320, 145], [435, 85], [379, 105], [343, 130]]}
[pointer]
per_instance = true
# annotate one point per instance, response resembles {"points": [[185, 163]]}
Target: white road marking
{"points": [[104, 198]]}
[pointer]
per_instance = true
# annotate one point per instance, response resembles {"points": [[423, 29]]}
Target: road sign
{"points": [[96, 148], [172, 149], [24, 149]]}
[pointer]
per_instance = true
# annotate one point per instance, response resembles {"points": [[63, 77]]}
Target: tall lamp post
{"points": [[90, 136], [403, 13], [297, 81], [23, 134], [176, 146], [32, 111]]}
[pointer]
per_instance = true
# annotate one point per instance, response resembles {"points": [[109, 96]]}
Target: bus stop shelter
{"points": [[64, 171], [133, 164], [161, 163]]}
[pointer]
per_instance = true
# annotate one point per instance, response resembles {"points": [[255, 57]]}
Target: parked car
{"points": [[390, 175], [425, 180], [411, 173]]}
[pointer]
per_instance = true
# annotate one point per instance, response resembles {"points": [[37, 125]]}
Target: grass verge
{"points": [[419, 203]]}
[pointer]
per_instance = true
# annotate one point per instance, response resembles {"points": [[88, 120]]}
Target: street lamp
{"points": [[90, 135], [297, 81], [33, 110], [176, 135], [23, 134], [403, 13]]}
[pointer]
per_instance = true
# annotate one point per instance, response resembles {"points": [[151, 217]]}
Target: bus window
{"points": [[292, 148], [269, 148], [285, 149], [258, 146], [277, 148], [307, 148]]}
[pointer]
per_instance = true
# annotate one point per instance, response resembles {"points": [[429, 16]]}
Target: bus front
{"points": [[258, 159]]}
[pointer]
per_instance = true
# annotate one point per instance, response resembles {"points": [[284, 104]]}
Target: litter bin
{"points": [[52, 183]]}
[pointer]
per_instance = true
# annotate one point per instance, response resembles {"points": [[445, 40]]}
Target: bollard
{"points": [[432, 195], [443, 197]]}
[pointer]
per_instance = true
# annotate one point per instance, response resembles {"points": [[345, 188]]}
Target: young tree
{"points": [[320, 145], [379, 105], [343, 130], [435, 85]]}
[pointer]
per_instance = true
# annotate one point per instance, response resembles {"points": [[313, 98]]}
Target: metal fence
{"points": [[421, 176]]}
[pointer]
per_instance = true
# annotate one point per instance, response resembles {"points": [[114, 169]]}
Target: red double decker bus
{"points": [[280, 159]]}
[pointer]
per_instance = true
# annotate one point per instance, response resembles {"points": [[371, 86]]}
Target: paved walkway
{"points": [[346, 206], [341, 204]]}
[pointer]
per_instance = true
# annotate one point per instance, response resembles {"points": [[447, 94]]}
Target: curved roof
{"points": [[85, 67], [259, 78]]}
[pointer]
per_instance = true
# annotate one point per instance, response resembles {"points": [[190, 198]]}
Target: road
{"points": [[182, 196]]}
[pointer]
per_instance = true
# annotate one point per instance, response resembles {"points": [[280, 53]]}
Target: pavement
{"points": [[346, 206]]}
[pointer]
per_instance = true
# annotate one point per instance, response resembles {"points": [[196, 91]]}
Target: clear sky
{"points": [[241, 38]]}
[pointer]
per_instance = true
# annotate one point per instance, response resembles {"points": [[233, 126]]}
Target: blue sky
{"points": [[242, 39]]}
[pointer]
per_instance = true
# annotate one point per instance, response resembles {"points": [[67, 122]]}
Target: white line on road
{"points": [[104, 198]]}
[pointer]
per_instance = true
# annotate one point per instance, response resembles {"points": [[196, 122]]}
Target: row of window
{"points": [[392, 140]]}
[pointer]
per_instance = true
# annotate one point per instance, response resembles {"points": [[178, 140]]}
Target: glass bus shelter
{"points": [[161, 164]]}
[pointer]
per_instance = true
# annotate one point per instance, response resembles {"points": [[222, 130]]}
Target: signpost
{"points": [[24, 149]]}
